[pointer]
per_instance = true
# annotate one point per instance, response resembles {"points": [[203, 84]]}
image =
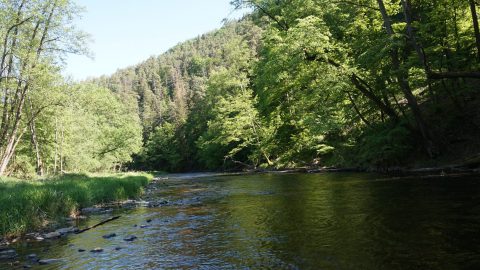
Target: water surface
{"points": [[287, 221]]}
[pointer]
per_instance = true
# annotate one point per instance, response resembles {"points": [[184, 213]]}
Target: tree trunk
{"points": [[411, 36], [357, 110], [36, 148], [405, 87], [61, 151], [361, 86], [56, 148], [473, 9]]}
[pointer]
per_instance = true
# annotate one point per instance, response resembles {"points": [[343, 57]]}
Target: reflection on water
{"points": [[288, 221]]}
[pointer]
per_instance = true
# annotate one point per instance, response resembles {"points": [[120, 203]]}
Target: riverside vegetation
{"points": [[364, 83], [32, 205]]}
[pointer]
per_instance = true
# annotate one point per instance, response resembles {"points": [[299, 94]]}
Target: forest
{"points": [[370, 84]]}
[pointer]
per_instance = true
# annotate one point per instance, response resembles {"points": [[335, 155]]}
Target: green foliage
{"points": [[32, 205], [99, 131], [295, 83], [161, 150], [384, 147]]}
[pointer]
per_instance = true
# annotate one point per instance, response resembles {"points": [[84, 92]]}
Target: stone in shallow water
{"points": [[33, 257], [67, 230], [130, 238], [49, 261], [39, 238], [8, 254], [118, 248], [52, 235], [81, 250], [96, 250], [110, 235], [144, 226]]}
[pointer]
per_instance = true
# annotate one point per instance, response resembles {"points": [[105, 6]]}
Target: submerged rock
{"points": [[96, 250], [68, 230], [49, 261], [118, 248], [33, 257], [8, 254], [52, 235], [130, 238], [39, 238], [81, 250], [108, 236], [144, 226]]}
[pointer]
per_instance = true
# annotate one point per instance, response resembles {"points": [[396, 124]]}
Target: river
{"points": [[285, 221]]}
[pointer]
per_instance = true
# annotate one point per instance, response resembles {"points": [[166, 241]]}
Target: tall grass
{"points": [[31, 205]]}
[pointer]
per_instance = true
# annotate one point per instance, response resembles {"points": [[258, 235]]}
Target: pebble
{"points": [[33, 257], [39, 238], [68, 230], [8, 254], [130, 238], [108, 236], [48, 261], [52, 235]]}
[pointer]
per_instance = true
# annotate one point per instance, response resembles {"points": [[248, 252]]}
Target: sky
{"points": [[127, 32]]}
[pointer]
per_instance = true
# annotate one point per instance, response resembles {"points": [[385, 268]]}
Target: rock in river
{"points": [[110, 235], [33, 257], [68, 230], [8, 254], [96, 250], [52, 235], [130, 238], [49, 261]]}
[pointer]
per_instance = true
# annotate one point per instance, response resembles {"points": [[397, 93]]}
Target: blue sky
{"points": [[126, 32]]}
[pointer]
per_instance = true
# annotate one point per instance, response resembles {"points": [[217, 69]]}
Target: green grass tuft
{"points": [[30, 205]]}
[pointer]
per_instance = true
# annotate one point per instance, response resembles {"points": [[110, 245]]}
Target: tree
{"points": [[36, 34]]}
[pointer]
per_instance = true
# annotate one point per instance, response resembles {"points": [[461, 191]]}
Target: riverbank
{"points": [[471, 166], [42, 204]]}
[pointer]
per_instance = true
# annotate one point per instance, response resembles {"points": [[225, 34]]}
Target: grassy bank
{"points": [[33, 205]]}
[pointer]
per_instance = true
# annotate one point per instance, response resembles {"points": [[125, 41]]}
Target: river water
{"points": [[286, 221]]}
